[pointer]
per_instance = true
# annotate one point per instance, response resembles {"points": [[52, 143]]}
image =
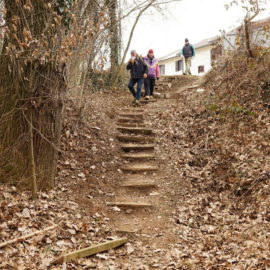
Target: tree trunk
{"points": [[114, 38], [30, 85], [247, 38]]}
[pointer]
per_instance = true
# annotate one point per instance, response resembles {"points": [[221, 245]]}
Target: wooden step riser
{"points": [[134, 158], [127, 138], [129, 204], [135, 131], [138, 170], [130, 121], [131, 110], [139, 159], [148, 101], [131, 125], [137, 148], [139, 185], [132, 116]]}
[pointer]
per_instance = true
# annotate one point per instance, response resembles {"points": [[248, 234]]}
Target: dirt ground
{"points": [[201, 217]]}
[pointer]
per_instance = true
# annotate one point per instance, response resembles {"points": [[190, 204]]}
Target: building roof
{"points": [[170, 55], [254, 26], [201, 44], [261, 23], [206, 42]]}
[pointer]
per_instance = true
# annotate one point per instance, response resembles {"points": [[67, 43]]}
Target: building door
{"points": [[179, 65]]}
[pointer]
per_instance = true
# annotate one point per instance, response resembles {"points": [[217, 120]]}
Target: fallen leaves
{"points": [[20, 216], [216, 184]]}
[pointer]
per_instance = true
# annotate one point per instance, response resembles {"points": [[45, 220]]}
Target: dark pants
{"points": [[137, 94], [149, 86]]}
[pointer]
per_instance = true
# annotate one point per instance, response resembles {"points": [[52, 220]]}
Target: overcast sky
{"points": [[194, 19]]}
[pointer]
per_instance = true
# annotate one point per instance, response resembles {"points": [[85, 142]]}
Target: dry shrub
{"points": [[241, 80], [100, 80], [239, 103]]}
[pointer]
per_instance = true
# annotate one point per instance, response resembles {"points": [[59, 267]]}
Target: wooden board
{"points": [[130, 204], [132, 125], [139, 184], [139, 155], [132, 138], [133, 146], [139, 130], [132, 115], [91, 250], [130, 120], [144, 167]]}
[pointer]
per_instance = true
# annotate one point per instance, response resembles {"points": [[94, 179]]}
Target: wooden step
{"points": [[130, 204], [145, 101], [140, 183], [139, 130], [131, 110], [131, 124], [139, 155], [135, 115], [130, 138], [139, 167], [130, 120], [137, 147]]}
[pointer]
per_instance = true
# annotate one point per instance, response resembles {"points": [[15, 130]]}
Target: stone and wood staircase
{"points": [[137, 143]]}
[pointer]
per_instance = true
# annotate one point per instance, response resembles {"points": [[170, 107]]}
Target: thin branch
{"points": [[41, 135]]}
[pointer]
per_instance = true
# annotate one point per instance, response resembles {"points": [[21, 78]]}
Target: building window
{"points": [[162, 69], [179, 65], [200, 69]]}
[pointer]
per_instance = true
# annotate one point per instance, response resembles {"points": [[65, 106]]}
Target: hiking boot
{"points": [[137, 102], [147, 97]]}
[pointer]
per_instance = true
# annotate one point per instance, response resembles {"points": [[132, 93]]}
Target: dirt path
{"points": [[135, 186], [143, 202]]}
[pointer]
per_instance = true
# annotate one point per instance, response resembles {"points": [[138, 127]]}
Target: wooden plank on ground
{"points": [[130, 204], [140, 130], [132, 115], [133, 146], [144, 167], [91, 250], [131, 124], [139, 155], [132, 138], [131, 110], [139, 183], [130, 120]]}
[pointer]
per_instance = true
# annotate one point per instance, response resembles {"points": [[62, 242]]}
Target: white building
{"points": [[259, 36], [209, 50], [173, 63]]}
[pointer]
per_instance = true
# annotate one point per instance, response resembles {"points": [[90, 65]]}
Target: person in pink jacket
{"points": [[152, 75]]}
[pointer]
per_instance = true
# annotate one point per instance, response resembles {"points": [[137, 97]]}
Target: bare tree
{"points": [[251, 14], [252, 9], [47, 45], [141, 8]]}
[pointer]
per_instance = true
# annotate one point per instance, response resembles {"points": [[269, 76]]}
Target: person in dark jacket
{"points": [[138, 72], [188, 52]]}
